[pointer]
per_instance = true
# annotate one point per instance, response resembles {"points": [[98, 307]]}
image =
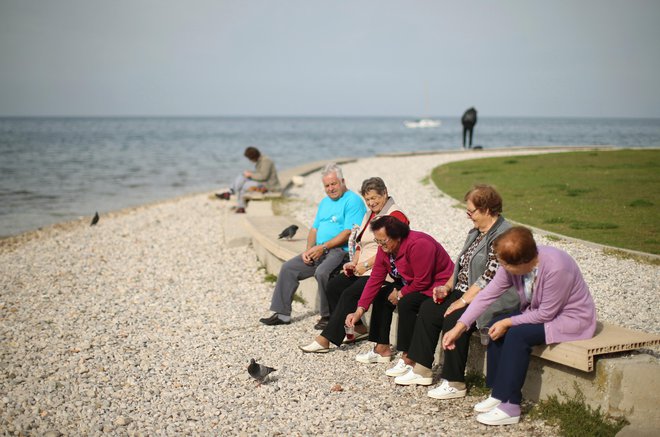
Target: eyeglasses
{"points": [[381, 242], [469, 213]]}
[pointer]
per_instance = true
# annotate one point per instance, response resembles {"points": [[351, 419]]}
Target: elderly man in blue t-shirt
{"points": [[326, 248]]}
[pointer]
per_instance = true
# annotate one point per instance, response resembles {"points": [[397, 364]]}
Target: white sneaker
{"points": [[400, 368], [372, 357], [497, 417], [315, 347], [446, 391], [487, 405], [411, 378]]}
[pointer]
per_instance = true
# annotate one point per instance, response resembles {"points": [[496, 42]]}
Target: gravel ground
{"points": [[145, 323]]}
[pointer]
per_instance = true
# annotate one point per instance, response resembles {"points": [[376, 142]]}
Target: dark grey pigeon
{"points": [[258, 371], [289, 232], [95, 220]]}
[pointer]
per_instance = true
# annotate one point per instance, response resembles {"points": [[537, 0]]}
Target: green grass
{"points": [[575, 418], [608, 197], [476, 383]]}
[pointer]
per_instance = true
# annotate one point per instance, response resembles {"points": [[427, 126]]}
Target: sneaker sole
{"points": [[423, 381], [448, 396], [378, 360], [505, 421]]}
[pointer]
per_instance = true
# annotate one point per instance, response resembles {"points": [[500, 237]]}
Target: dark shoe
{"points": [[273, 320], [240, 211], [224, 196], [322, 323]]}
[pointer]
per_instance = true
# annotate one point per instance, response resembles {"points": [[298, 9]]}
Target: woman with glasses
{"points": [[476, 265], [418, 264], [555, 306], [344, 290]]}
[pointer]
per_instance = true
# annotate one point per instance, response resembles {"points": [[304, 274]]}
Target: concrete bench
{"points": [[273, 252]]}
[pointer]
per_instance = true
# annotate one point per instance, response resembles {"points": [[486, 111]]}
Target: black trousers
{"points": [[381, 318], [431, 321], [343, 293], [467, 129]]}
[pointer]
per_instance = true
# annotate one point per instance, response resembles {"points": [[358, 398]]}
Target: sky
{"points": [[566, 58]]}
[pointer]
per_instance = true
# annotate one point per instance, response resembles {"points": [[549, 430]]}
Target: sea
{"points": [[58, 169]]}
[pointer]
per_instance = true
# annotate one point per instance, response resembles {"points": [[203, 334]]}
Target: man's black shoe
{"points": [[322, 323], [273, 320]]}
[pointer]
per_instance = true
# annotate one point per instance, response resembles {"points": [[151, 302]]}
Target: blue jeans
{"points": [[508, 359]]}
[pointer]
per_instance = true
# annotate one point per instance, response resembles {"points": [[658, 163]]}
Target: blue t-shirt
{"points": [[335, 216]]}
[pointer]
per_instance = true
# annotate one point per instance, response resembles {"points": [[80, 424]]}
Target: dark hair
{"points": [[485, 198], [252, 153], [516, 246], [394, 228], [373, 184]]}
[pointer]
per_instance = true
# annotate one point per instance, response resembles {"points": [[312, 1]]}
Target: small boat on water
{"points": [[421, 123]]}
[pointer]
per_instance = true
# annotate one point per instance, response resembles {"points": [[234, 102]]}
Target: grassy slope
{"points": [[608, 197]]}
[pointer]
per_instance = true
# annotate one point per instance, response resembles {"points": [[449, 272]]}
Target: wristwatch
{"points": [[325, 249], [366, 265]]}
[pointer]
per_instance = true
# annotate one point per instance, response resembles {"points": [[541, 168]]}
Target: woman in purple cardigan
{"points": [[555, 306]]}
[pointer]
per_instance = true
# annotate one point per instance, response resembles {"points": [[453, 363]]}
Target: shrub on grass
{"points": [[575, 418]]}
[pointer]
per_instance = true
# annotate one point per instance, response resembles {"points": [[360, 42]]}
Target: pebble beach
{"points": [[144, 325]]}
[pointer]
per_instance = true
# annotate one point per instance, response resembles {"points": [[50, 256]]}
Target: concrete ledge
{"points": [[273, 252]]}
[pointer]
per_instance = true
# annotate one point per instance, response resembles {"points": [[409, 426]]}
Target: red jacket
{"points": [[421, 261]]}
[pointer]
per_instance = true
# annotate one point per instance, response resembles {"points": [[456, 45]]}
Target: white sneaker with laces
{"points": [[446, 391], [399, 368], [411, 378], [371, 357], [487, 405], [497, 417]]}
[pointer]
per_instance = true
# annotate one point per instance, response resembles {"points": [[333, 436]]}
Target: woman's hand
{"points": [[499, 328], [349, 268], [440, 293], [394, 297], [455, 305], [450, 337], [353, 318]]}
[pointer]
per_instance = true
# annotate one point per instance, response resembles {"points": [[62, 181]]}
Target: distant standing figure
{"points": [[469, 120], [263, 178]]}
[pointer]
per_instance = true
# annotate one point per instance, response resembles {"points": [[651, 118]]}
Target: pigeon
{"points": [[289, 232], [95, 220], [258, 371]]}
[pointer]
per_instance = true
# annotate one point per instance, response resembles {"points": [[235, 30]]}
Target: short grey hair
{"points": [[332, 168], [373, 184]]}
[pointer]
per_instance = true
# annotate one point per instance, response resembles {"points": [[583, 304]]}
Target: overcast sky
{"points": [[589, 58]]}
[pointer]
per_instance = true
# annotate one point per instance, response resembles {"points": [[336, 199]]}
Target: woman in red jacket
{"points": [[417, 263]]}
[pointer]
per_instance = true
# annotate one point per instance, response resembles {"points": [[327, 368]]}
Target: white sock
{"points": [[284, 317]]}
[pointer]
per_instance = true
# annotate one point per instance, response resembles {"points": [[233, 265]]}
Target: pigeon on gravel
{"points": [[289, 232], [95, 219], [258, 371]]}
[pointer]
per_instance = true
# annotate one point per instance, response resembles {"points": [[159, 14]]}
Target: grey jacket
{"points": [[509, 301], [266, 174]]}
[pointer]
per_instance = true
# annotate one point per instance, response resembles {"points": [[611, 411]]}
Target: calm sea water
{"points": [[53, 170]]}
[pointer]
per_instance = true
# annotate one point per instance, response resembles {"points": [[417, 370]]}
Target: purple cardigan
{"points": [[561, 299], [421, 261]]}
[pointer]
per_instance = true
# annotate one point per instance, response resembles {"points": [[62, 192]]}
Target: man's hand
{"points": [[312, 254]]}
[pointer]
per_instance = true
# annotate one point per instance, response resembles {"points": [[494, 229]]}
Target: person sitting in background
{"points": [[418, 264], [263, 178], [326, 248], [345, 289], [476, 265], [555, 306]]}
